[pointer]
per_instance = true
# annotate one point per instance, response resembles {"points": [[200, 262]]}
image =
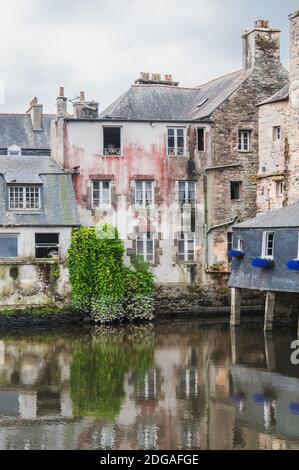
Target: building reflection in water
{"points": [[167, 386]]}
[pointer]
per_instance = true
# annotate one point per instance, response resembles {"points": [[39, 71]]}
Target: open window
{"points": [[47, 245], [8, 245], [112, 141], [268, 245]]}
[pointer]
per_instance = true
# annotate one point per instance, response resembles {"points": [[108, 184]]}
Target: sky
{"points": [[101, 46]]}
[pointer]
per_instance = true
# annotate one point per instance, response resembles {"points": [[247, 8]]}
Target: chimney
{"points": [[61, 103], [294, 58], [36, 114], [261, 45], [85, 109]]}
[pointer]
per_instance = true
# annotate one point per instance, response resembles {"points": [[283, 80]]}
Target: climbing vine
{"points": [[101, 284]]}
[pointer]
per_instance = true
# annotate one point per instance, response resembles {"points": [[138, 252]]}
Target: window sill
{"points": [[113, 156], [186, 263], [245, 151], [177, 156], [22, 261]]}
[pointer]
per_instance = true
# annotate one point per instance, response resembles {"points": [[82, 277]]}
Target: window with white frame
{"points": [[144, 193], [101, 194], [268, 245], [186, 245], [112, 140], [187, 194], [24, 197], [176, 141], [145, 246], [8, 245], [240, 245], [277, 133], [244, 141], [14, 151]]}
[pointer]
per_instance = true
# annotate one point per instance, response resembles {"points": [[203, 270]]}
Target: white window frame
{"points": [[265, 245], [143, 237], [279, 188], [101, 204], [187, 190], [277, 133], [240, 244], [22, 188], [143, 205], [14, 151], [186, 237], [244, 146], [175, 150]]}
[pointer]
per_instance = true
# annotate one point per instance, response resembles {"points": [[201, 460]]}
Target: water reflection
{"points": [[166, 386]]}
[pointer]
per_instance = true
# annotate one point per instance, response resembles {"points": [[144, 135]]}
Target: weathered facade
{"points": [[277, 179], [173, 167], [37, 213]]}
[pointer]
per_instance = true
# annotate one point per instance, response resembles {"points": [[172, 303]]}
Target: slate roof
{"points": [[285, 217], [58, 198], [145, 102], [280, 95], [16, 129]]}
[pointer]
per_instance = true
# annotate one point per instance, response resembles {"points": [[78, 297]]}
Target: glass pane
{"points": [[180, 132], [8, 246]]}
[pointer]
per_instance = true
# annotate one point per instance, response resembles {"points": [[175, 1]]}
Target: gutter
{"points": [[205, 190]]}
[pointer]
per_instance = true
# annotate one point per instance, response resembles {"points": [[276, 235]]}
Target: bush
{"points": [[101, 285]]}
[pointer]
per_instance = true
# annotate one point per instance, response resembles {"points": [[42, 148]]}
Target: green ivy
{"points": [[101, 284]]}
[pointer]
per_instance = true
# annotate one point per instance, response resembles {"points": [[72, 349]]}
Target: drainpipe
{"points": [[205, 190]]}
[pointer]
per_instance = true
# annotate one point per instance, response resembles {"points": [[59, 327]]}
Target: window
{"points": [[176, 141], [229, 244], [268, 245], [112, 141], [240, 245], [186, 247], [145, 246], [187, 193], [201, 139], [244, 141], [277, 133], [235, 190], [14, 151], [8, 245], [46, 245], [144, 193], [24, 197], [279, 188], [101, 194]]}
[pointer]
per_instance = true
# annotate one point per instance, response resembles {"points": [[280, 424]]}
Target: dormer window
{"points": [[24, 197], [14, 151]]}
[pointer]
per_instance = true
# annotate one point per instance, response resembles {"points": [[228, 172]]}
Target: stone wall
{"points": [[26, 284]]}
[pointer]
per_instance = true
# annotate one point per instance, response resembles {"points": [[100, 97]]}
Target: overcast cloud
{"points": [[100, 46]]}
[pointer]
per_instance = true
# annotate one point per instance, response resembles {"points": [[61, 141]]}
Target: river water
{"points": [[172, 385]]}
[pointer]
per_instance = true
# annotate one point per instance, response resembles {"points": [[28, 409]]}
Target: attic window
{"points": [[46, 245], [14, 151], [112, 141], [24, 197], [202, 102]]}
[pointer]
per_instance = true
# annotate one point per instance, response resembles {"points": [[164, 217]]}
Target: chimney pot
{"points": [[61, 91], [82, 96]]}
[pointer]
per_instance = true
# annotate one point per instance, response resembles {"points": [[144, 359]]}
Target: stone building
{"points": [[173, 167], [277, 179]]}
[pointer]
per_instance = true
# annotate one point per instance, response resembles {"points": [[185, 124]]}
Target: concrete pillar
{"points": [[270, 351], [235, 344], [235, 314], [269, 311]]}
